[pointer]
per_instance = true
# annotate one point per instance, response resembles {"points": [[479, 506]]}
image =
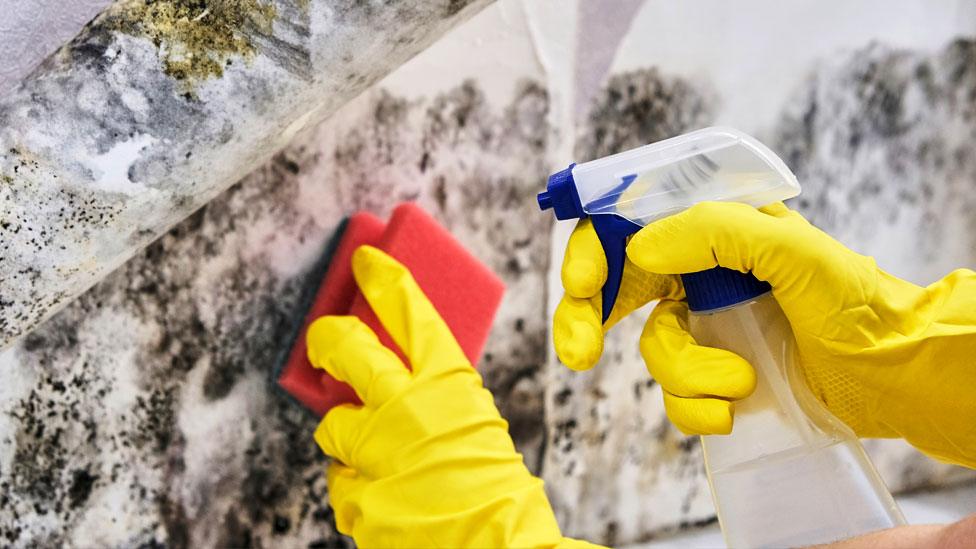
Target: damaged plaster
{"points": [[118, 95], [196, 39]]}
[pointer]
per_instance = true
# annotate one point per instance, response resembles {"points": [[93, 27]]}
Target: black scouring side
{"points": [[309, 288]]}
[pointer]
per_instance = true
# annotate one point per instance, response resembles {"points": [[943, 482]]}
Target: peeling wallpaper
{"points": [[143, 414]]}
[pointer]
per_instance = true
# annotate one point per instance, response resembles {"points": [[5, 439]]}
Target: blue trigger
{"points": [[613, 231], [562, 197], [707, 290]]}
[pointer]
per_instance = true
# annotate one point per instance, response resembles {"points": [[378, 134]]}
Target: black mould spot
{"points": [[440, 193], [687, 444], [290, 165], [280, 525], [610, 533], [323, 514], [513, 266], [562, 397], [455, 6], [235, 533], [82, 482], [692, 524]]}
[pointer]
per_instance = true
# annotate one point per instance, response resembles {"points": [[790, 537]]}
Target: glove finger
{"points": [[736, 236], [577, 332], [699, 416], [340, 430], [584, 266], [405, 312], [346, 486], [686, 369], [349, 351]]}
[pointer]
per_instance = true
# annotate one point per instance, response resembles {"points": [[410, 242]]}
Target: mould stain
{"points": [[206, 308], [639, 107], [877, 140], [200, 346], [455, 6], [197, 38]]}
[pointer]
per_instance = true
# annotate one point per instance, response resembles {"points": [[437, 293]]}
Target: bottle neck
{"points": [[721, 288]]}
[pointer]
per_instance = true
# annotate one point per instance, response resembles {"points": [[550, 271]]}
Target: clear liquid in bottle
{"points": [[790, 474]]}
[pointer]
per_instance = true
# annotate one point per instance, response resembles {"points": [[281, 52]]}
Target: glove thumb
{"points": [[772, 242]]}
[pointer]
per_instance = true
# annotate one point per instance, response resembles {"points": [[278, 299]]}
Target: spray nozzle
{"points": [[624, 192], [561, 195]]}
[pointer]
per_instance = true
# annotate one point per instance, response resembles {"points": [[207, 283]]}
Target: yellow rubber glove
{"points": [[699, 383], [889, 358], [427, 460]]}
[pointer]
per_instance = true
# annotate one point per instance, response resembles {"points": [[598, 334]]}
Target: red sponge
{"points": [[464, 291]]}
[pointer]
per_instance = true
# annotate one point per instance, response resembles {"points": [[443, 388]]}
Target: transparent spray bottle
{"points": [[790, 473]]}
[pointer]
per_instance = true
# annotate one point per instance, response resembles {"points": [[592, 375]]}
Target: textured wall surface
{"points": [[883, 141], [143, 412], [155, 108], [150, 414]]}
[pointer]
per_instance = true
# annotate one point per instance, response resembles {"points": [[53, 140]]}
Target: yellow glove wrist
{"points": [[924, 389]]}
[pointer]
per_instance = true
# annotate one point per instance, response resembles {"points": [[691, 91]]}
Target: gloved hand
{"points": [[699, 383], [889, 358], [426, 461]]}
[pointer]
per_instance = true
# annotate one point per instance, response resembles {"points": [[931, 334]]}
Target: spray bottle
{"points": [[790, 473]]}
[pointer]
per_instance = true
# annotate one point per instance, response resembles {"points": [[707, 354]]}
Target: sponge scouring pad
{"points": [[464, 291]]}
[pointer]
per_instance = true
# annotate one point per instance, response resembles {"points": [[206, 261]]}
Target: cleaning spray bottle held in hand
{"points": [[790, 473]]}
